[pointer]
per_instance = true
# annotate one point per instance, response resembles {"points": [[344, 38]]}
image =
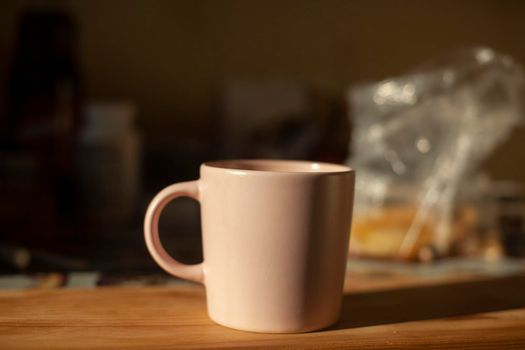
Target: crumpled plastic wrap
{"points": [[418, 138]]}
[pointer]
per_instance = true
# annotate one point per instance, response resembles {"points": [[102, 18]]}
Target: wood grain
{"points": [[481, 314]]}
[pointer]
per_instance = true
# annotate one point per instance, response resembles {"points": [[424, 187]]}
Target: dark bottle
{"points": [[43, 104]]}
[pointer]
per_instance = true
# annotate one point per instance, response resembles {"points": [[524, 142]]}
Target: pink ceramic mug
{"points": [[275, 236]]}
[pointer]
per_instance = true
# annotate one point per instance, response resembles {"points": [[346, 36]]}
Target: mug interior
{"points": [[283, 166]]}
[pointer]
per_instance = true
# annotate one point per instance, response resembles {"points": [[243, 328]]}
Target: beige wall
{"points": [[170, 56]]}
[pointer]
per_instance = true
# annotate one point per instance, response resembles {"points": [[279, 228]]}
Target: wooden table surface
{"points": [[402, 314]]}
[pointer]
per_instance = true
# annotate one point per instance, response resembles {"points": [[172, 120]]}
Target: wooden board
{"points": [[482, 314]]}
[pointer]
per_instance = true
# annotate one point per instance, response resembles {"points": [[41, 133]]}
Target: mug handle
{"points": [[151, 231]]}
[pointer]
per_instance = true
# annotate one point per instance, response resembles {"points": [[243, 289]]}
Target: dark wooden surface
{"points": [[391, 314]]}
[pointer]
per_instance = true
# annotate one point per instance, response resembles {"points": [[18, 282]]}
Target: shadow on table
{"points": [[439, 301]]}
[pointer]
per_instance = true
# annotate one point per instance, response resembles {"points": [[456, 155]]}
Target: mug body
{"points": [[275, 237]]}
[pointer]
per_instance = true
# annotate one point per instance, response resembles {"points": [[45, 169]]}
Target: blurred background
{"points": [[104, 103]]}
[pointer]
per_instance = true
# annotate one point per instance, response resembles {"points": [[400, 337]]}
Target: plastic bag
{"points": [[417, 139]]}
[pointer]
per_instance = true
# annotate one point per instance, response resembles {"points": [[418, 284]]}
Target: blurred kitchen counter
{"points": [[379, 312]]}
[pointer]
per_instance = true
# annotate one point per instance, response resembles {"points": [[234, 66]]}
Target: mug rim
{"points": [[278, 166]]}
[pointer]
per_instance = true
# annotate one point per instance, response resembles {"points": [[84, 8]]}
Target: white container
{"points": [[109, 163]]}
